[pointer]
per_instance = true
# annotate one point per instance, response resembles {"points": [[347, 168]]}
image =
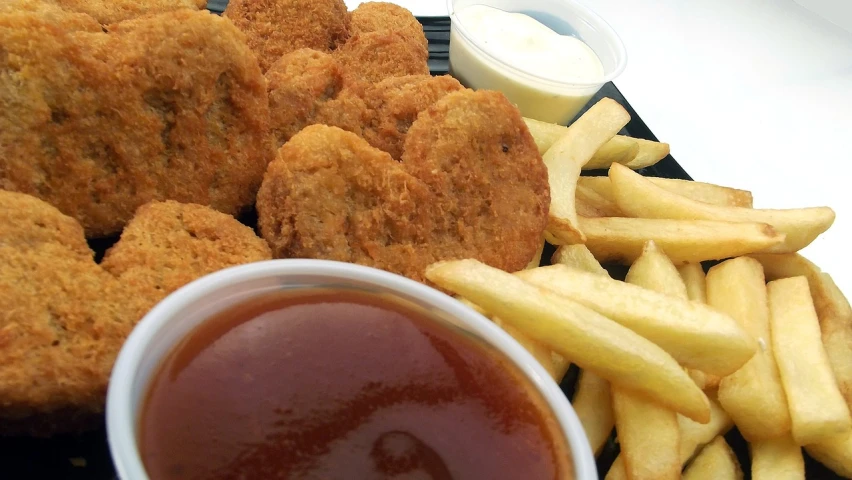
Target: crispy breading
{"points": [[471, 184], [169, 244], [64, 318], [171, 106], [112, 11], [394, 103], [383, 16], [275, 28], [373, 56], [51, 11]]}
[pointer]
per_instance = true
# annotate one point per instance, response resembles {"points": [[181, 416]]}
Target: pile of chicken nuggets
{"points": [[163, 123]]}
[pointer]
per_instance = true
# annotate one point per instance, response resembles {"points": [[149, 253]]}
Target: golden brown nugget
{"points": [[65, 317], [275, 28], [172, 106], [112, 11], [383, 16], [373, 56]]}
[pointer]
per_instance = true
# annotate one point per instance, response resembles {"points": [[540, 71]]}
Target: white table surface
{"points": [[754, 94]]}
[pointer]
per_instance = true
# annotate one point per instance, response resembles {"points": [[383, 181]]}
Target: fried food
{"points": [[65, 317], [394, 104], [470, 184], [373, 56], [171, 106], [383, 17], [274, 28], [51, 12], [112, 11]]}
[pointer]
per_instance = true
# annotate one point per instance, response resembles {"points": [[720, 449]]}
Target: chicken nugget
{"points": [[169, 244], [373, 56], [171, 106], [305, 88], [275, 28], [52, 12], [394, 103], [476, 154], [65, 318], [330, 195], [383, 16]]}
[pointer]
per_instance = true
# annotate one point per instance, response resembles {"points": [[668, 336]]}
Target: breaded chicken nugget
{"points": [[112, 11], [471, 184], [382, 17], [478, 157], [63, 322], [373, 56], [171, 106], [169, 244], [330, 195], [274, 28], [52, 12], [305, 88], [65, 318], [394, 103]]}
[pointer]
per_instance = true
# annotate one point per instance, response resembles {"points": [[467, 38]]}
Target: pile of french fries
{"points": [[671, 357]]}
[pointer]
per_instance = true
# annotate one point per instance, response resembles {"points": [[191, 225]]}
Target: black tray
{"points": [[87, 456]]}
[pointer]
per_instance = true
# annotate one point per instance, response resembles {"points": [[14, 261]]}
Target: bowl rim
{"points": [[121, 419], [587, 14]]}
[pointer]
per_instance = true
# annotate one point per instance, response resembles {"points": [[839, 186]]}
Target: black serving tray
{"points": [[86, 456]]}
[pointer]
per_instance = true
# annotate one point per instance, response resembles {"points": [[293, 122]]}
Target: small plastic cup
{"points": [[167, 324], [480, 66]]}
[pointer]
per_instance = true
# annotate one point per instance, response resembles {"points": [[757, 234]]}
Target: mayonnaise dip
{"points": [[549, 76]]}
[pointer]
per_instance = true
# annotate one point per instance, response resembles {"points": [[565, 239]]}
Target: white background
{"points": [[755, 94]]}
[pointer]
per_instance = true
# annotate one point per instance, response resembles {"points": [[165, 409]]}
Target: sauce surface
{"points": [[525, 44], [340, 384]]}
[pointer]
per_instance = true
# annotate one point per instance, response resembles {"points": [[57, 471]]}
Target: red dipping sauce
{"points": [[343, 384]]}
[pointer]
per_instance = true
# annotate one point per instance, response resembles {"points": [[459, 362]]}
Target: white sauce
{"points": [[524, 43]]}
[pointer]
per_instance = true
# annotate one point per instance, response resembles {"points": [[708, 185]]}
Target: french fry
{"points": [[777, 459], [615, 239], [817, 409], [653, 270], [693, 436], [593, 405], [591, 204], [649, 153], [649, 436], [716, 461], [753, 395], [638, 197], [697, 336], [589, 339], [695, 281], [536, 260], [619, 149], [578, 256], [566, 158], [648, 432], [835, 453], [702, 192]]}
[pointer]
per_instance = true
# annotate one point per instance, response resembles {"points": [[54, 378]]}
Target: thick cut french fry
{"points": [[653, 270], [695, 281], [753, 395], [693, 436], [835, 453], [614, 239], [591, 204], [702, 192], [536, 260], [696, 335], [817, 409], [619, 149], [716, 461], [593, 404], [589, 339], [777, 459], [649, 153], [637, 196], [566, 158], [649, 436], [578, 256]]}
